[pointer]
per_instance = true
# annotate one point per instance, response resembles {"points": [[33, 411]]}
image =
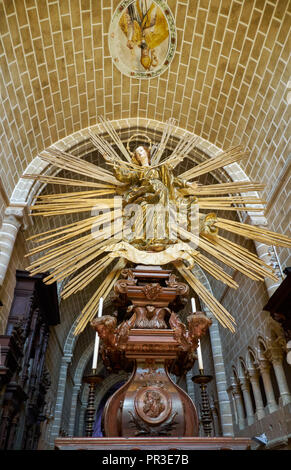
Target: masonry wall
{"points": [[245, 304], [2, 208], [7, 291], [278, 211]]}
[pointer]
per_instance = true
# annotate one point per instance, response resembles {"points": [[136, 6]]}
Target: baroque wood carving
{"points": [[24, 380], [156, 342]]}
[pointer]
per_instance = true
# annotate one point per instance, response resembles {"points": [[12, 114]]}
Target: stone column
{"points": [[263, 252], [75, 392], [55, 429], [239, 405], [245, 387], [276, 357], [218, 363], [232, 402], [220, 376], [254, 379], [82, 420], [13, 218], [215, 416], [82, 416], [264, 367]]}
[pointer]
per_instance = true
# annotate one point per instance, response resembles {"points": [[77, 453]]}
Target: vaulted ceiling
{"points": [[228, 81]]}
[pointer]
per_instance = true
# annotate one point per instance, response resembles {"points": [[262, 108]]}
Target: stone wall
{"points": [[245, 304], [7, 291], [2, 208], [278, 211]]}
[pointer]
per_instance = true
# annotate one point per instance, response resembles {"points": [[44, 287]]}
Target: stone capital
{"points": [[244, 383], [275, 355], [254, 375], [256, 219], [264, 366], [236, 390], [14, 211]]}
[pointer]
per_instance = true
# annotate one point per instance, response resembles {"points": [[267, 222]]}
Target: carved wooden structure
{"points": [[150, 412], [23, 377], [157, 343]]}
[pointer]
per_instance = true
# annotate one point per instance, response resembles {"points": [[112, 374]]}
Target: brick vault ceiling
{"points": [[227, 81]]}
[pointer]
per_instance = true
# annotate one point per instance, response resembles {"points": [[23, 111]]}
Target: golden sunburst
{"points": [[145, 178]]}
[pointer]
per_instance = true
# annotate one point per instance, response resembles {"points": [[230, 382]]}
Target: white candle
{"points": [[100, 307], [95, 354], [193, 305], [96, 346], [199, 354]]}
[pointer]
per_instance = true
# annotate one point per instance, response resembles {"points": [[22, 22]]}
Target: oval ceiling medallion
{"points": [[142, 38]]}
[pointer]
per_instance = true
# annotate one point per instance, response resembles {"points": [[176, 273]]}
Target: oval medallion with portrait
{"points": [[142, 37], [153, 404]]}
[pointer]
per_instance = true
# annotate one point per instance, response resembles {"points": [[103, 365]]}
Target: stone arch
{"points": [[70, 340], [82, 363], [242, 368], [26, 189], [262, 347], [107, 384], [251, 358], [79, 142], [235, 373]]}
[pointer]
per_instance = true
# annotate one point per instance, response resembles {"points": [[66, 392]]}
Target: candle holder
{"points": [[206, 417], [92, 380]]}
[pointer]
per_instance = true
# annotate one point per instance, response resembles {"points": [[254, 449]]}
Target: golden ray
{"points": [[213, 269], [167, 131], [222, 315], [90, 309], [69, 162], [230, 156], [115, 137], [66, 181], [225, 188], [253, 232]]}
